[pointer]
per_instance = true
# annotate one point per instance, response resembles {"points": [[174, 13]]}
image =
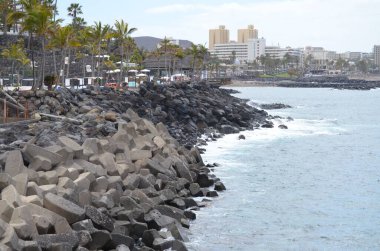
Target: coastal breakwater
{"points": [[342, 83], [104, 177]]}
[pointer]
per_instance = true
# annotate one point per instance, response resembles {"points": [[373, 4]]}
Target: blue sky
{"points": [[341, 25]]}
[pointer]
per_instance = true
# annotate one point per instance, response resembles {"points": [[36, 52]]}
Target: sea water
{"points": [[315, 186]]}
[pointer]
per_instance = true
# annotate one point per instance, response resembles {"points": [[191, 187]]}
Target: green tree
{"points": [[193, 51], [63, 39], [36, 18], [74, 10], [16, 54], [362, 66], [122, 34], [6, 7]]}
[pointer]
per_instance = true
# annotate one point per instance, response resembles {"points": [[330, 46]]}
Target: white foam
{"points": [[296, 128]]}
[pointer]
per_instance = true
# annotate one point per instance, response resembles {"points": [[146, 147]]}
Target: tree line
{"points": [[102, 47]]}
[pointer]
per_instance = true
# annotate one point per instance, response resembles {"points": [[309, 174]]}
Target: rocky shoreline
{"points": [[342, 83], [118, 172]]}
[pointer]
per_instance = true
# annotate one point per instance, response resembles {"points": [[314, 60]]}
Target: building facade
{"points": [[376, 55], [245, 34], [256, 48], [218, 36], [227, 51], [241, 52]]}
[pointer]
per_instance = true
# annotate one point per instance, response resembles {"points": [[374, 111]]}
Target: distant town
{"points": [[251, 54]]}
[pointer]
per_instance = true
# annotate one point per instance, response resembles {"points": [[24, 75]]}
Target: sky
{"points": [[340, 25]]}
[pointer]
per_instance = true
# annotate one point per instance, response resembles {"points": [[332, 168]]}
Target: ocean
{"points": [[315, 186]]}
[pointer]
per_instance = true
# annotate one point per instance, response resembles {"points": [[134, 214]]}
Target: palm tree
{"points": [[203, 54], [36, 18], [180, 55], [96, 36], [64, 39], [164, 46], [193, 51], [16, 54], [121, 34], [74, 10], [6, 7]]}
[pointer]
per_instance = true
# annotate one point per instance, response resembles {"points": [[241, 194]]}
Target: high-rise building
{"points": [[218, 36], [245, 34], [376, 54]]}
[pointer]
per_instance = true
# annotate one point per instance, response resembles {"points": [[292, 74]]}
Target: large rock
{"points": [[6, 211], [73, 239], [31, 151], [71, 144], [5, 180], [97, 170], [155, 167], [59, 223], [63, 207], [156, 220], [11, 196], [100, 219], [183, 171], [8, 237], [14, 164], [140, 154]]}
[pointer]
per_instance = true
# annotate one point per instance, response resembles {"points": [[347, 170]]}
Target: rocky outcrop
{"points": [[129, 190], [188, 111]]}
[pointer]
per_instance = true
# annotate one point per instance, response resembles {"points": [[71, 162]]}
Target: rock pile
{"points": [[187, 110], [132, 189]]}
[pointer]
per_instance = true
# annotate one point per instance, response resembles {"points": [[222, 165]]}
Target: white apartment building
{"points": [[244, 52], [279, 53], [256, 48], [227, 51], [321, 56]]}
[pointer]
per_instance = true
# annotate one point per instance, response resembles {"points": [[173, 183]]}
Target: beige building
{"points": [[218, 36], [245, 34], [376, 54]]}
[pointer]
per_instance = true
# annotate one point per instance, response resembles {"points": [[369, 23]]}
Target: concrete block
{"points": [[9, 237], [48, 189], [40, 163], [99, 185], [90, 147], [6, 211], [73, 173], [11, 196], [63, 207], [97, 170], [67, 142], [5, 180], [99, 219], [14, 164], [183, 170], [48, 178], [33, 199], [31, 151], [140, 154], [33, 189], [66, 182], [20, 182], [159, 142], [132, 181], [59, 223]]}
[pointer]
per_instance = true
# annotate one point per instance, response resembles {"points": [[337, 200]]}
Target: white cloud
{"points": [[335, 24], [175, 8]]}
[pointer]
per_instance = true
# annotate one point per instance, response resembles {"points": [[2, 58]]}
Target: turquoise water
{"points": [[315, 186]]}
